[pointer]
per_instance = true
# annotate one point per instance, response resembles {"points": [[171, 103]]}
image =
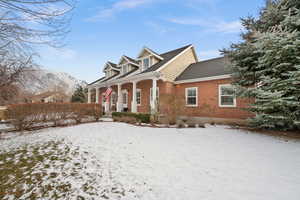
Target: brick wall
{"points": [[208, 101], [208, 98]]}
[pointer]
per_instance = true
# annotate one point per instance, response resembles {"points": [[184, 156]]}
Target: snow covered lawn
{"points": [[118, 161]]}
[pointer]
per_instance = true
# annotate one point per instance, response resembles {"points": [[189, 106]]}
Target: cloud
{"points": [[117, 7], [210, 25], [158, 28]]}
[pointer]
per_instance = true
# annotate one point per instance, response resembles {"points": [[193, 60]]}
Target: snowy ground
{"points": [[119, 161]]}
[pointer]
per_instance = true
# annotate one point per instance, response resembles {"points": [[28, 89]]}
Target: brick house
{"points": [[138, 83]]}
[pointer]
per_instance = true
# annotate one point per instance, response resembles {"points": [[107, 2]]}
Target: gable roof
{"points": [[113, 64], [132, 60], [129, 60], [207, 68], [167, 57], [151, 52]]}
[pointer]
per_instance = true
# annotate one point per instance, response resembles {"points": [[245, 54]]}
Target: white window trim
{"points": [[142, 62], [139, 90], [186, 97], [111, 98], [234, 98], [127, 68], [125, 92]]}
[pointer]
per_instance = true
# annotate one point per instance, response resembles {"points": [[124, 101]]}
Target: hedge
{"points": [[27, 116], [142, 117]]}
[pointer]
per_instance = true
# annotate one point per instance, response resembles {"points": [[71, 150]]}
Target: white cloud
{"points": [[210, 25], [117, 7]]}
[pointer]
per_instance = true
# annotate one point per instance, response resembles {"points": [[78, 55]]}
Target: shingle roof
{"points": [[113, 64], [132, 60], [126, 74], [207, 68], [96, 81], [167, 57]]}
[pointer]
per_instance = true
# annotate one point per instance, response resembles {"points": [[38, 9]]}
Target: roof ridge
{"points": [[211, 59], [184, 47]]}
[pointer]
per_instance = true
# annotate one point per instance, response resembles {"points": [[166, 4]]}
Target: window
{"points": [[191, 96], [138, 96], [124, 97], [146, 63], [125, 69], [227, 96], [113, 99]]}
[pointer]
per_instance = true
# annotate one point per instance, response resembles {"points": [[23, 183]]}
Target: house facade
{"points": [[137, 84]]}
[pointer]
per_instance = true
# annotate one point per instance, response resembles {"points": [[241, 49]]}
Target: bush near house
{"points": [[27, 116], [140, 117]]}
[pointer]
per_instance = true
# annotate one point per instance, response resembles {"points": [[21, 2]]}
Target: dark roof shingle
{"points": [[132, 60], [166, 58], [203, 69]]}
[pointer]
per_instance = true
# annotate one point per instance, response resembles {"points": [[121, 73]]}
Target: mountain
{"points": [[45, 80]]}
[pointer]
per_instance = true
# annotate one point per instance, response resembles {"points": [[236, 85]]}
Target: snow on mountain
{"points": [[46, 80]]}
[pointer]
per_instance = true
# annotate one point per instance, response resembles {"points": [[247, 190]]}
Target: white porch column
{"points": [[89, 95], [133, 103], [154, 97], [120, 99], [97, 95], [106, 105]]}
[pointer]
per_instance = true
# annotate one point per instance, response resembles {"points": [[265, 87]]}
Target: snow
{"points": [[121, 161]]}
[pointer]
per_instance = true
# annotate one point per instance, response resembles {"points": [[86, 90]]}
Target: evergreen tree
{"points": [[266, 64], [79, 95]]}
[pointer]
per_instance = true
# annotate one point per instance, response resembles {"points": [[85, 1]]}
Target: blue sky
{"points": [[105, 30]]}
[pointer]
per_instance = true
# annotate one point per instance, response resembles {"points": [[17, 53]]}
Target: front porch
{"points": [[140, 94]]}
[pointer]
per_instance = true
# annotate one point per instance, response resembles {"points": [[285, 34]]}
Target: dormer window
{"points": [[124, 69], [146, 63]]}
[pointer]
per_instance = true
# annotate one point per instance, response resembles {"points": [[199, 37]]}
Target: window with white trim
{"points": [[124, 96], [191, 96], [146, 63], [138, 96], [113, 99], [124, 69], [227, 96]]}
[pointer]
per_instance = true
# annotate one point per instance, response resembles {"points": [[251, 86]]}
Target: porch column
{"points": [[133, 103], [106, 104], [97, 95], [154, 97], [89, 95], [120, 99]]}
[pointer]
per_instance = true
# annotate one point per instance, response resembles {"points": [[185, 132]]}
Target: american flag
{"points": [[108, 93]]}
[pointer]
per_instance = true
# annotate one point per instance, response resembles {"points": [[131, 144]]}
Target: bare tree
{"points": [[23, 25]]}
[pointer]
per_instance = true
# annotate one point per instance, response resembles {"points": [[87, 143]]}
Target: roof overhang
{"points": [[128, 61], [109, 65], [151, 52], [225, 76], [129, 79]]}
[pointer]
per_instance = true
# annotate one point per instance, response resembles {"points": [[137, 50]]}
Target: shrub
{"points": [[26, 116], [172, 107], [140, 117]]}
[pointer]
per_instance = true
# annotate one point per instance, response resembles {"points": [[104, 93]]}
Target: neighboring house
{"points": [[138, 83], [50, 97]]}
